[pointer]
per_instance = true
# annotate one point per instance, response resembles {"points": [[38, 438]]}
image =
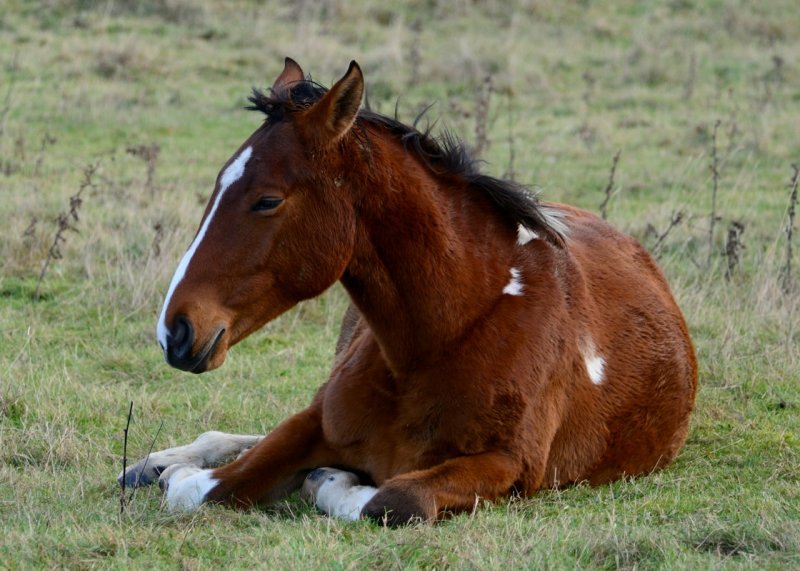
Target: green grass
{"points": [[581, 80]]}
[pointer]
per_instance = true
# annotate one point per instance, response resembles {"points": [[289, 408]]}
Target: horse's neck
{"points": [[428, 262]]}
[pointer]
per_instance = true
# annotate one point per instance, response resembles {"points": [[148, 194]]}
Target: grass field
{"points": [[90, 89]]}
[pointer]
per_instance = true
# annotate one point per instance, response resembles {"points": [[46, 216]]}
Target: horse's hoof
{"points": [[137, 476], [397, 507]]}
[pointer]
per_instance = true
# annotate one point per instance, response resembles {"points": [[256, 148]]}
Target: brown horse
{"points": [[496, 344]]}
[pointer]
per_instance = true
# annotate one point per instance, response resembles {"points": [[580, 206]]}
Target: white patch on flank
{"points": [[188, 487], [525, 235], [514, 287], [233, 173], [339, 495], [595, 366]]}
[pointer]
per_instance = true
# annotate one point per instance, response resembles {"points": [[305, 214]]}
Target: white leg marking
{"points": [[338, 494], [209, 449], [187, 488], [514, 287], [525, 235], [233, 173]]}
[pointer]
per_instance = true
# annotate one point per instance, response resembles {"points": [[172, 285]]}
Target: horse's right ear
{"points": [[292, 73], [329, 119]]}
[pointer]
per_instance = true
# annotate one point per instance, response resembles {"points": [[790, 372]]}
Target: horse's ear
{"points": [[331, 117], [292, 73]]}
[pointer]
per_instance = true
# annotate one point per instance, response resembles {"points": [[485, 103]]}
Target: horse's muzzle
{"points": [[180, 340]]}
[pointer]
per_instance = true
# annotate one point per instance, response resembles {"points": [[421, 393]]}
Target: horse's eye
{"points": [[266, 203]]}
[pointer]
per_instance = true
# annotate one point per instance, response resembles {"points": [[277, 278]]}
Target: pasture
{"points": [[114, 122]]}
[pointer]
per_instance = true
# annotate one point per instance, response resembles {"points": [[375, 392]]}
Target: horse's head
{"points": [[279, 227]]}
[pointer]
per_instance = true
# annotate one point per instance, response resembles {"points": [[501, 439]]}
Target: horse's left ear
{"points": [[292, 73], [329, 119]]}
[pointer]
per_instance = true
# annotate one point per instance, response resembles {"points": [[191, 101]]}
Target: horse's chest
{"points": [[381, 413], [359, 403]]}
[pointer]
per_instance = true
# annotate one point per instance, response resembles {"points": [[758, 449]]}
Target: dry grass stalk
{"points": [[66, 221], [787, 268], [677, 218], [47, 140], [156, 247], [149, 154], [30, 232], [610, 185], [6, 108], [123, 501], [510, 173], [19, 148], [7, 167], [688, 88], [147, 458], [589, 82], [415, 56], [733, 247], [714, 188], [482, 117]]}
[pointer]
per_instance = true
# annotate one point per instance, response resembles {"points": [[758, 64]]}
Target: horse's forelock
{"points": [[276, 105]]}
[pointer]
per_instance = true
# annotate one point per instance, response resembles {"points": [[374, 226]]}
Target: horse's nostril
{"points": [[181, 338], [181, 330], [180, 346]]}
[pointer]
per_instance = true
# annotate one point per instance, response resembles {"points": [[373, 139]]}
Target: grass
{"points": [[582, 81]]}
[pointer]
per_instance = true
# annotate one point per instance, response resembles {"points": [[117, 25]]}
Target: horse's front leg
{"points": [[423, 495], [453, 486], [274, 467], [209, 449]]}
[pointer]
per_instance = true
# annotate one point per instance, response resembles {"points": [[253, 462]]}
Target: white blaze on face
{"points": [[233, 173]]}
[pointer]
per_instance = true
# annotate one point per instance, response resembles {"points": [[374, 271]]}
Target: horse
{"points": [[495, 345]]}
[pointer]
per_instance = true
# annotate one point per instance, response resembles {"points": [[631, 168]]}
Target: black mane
{"points": [[444, 154], [276, 106]]}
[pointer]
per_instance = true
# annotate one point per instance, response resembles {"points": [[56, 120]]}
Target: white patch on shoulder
{"points": [[525, 235], [595, 366], [188, 487], [339, 495], [514, 287], [233, 173]]}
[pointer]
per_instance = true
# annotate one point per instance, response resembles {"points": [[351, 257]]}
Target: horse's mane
{"points": [[444, 154]]}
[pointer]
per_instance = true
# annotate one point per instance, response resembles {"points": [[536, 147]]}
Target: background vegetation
{"points": [[114, 120]]}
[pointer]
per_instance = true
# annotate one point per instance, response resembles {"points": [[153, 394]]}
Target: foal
{"points": [[495, 344]]}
